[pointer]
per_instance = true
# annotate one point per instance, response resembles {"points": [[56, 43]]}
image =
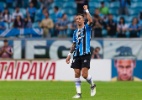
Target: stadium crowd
{"points": [[57, 17]]}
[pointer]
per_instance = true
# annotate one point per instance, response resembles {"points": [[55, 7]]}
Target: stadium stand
{"points": [[68, 7]]}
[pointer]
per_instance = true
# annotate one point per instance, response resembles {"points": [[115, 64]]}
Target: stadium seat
{"points": [[113, 11], [11, 25], [114, 5], [136, 5], [51, 11], [104, 32], [129, 19], [134, 12], [2, 5], [69, 12], [134, 0], [92, 10], [128, 24], [37, 19], [6, 25], [11, 10], [52, 16], [71, 18], [61, 0], [94, 5], [26, 3], [35, 25], [69, 5], [23, 11], [59, 4], [38, 12], [3, 0]]}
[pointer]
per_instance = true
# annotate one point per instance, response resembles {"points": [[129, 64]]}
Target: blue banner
{"points": [[35, 32]]}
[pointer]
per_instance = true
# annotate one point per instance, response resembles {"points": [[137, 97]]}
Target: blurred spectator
{"points": [[2, 25], [45, 3], [86, 2], [46, 25], [134, 28], [122, 27], [98, 25], [97, 12], [95, 54], [80, 4], [73, 26], [6, 50], [34, 2], [58, 14], [19, 3], [62, 26], [1, 8], [18, 22], [1, 15], [123, 10], [27, 22], [31, 10], [9, 3], [111, 26], [103, 9], [6, 16], [140, 19], [17, 13], [44, 10]]}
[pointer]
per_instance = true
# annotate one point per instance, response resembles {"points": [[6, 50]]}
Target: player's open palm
{"points": [[68, 59]]}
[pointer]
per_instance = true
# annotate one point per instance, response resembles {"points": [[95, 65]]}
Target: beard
{"points": [[79, 24]]}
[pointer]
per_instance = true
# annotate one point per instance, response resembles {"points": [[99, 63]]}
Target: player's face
{"points": [[125, 69], [79, 20]]}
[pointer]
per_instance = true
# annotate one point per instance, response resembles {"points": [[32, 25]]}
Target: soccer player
{"points": [[81, 52]]}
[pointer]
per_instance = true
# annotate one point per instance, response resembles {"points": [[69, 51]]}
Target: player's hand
{"points": [[85, 7], [68, 59]]}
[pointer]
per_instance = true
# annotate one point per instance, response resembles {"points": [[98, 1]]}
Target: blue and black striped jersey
{"points": [[82, 38]]}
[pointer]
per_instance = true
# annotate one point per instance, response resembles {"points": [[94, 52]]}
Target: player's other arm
{"points": [[72, 48], [88, 14], [71, 51]]}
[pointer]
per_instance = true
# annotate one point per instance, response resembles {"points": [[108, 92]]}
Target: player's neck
{"points": [[80, 26]]}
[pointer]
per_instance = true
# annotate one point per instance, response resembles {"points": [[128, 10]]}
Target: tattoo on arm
{"points": [[72, 48]]}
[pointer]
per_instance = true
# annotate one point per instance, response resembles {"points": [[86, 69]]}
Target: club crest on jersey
{"points": [[80, 38]]}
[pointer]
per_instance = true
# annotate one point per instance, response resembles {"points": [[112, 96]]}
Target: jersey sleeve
{"points": [[88, 26]]}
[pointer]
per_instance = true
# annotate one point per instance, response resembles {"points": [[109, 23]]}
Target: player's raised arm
{"points": [[88, 14], [69, 55]]}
